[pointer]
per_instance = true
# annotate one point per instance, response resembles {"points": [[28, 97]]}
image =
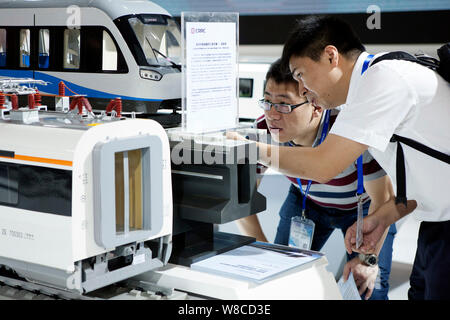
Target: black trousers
{"points": [[430, 277]]}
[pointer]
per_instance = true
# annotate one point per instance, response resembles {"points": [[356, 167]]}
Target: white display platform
{"points": [[310, 281]]}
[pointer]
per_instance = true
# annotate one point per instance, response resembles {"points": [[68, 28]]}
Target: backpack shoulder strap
{"points": [[421, 147], [400, 162], [400, 55]]}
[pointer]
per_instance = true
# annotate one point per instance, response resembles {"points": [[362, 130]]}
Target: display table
{"points": [[311, 281]]}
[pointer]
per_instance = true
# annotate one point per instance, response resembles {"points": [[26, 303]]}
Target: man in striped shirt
{"points": [[292, 121]]}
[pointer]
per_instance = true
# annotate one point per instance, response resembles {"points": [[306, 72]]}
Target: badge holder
{"points": [[301, 232], [359, 193], [359, 222]]}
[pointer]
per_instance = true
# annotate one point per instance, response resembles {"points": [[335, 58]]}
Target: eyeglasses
{"points": [[280, 107]]}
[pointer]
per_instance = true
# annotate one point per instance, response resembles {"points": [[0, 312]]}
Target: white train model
{"points": [[100, 48], [84, 201]]}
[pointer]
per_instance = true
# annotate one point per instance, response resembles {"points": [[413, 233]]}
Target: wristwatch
{"points": [[370, 260]]}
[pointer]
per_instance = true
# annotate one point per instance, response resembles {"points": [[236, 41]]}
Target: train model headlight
{"points": [[150, 74]]}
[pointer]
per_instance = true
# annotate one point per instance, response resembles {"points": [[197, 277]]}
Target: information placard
{"points": [[210, 71]]}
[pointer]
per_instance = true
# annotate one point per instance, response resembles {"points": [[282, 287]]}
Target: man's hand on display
{"points": [[364, 276], [375, 224]]}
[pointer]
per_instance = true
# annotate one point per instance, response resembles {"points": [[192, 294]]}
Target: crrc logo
{"points": [[198, 30]]}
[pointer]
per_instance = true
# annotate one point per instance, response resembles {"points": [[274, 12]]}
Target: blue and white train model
{"points": [[100, 48]]}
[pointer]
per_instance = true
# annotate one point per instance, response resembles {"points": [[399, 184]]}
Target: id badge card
{"points": [[301, 233]]}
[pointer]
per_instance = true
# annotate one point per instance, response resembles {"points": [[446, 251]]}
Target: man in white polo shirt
{"points": [[390, 97], [292, 121]]}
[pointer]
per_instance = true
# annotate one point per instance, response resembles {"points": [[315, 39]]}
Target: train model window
{"points": [[138, 28], [72, 49], [2, 47], [8, 184], [44, 48], [25, 50], [45, 189], [36, 188], [109, 53], [245, 88], [159, 38]]}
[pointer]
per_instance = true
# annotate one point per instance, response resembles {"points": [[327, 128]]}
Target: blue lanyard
{"points": [[366, 63], [359, 162], [324, 133]]}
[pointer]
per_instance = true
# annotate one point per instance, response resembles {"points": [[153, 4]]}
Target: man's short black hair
{"points": [[313, 33], [279, 73]]}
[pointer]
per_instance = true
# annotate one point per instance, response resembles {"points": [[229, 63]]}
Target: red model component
{"points": [[80, 102], [61, 89], [37, 99], [115, 104], [31, 101], [15, 102], [2, 100]]}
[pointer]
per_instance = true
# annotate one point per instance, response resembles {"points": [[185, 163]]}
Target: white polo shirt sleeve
{"points": [[373, 112]]}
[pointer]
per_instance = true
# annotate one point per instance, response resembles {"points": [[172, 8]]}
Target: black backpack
{"points": [[442, 67]]}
